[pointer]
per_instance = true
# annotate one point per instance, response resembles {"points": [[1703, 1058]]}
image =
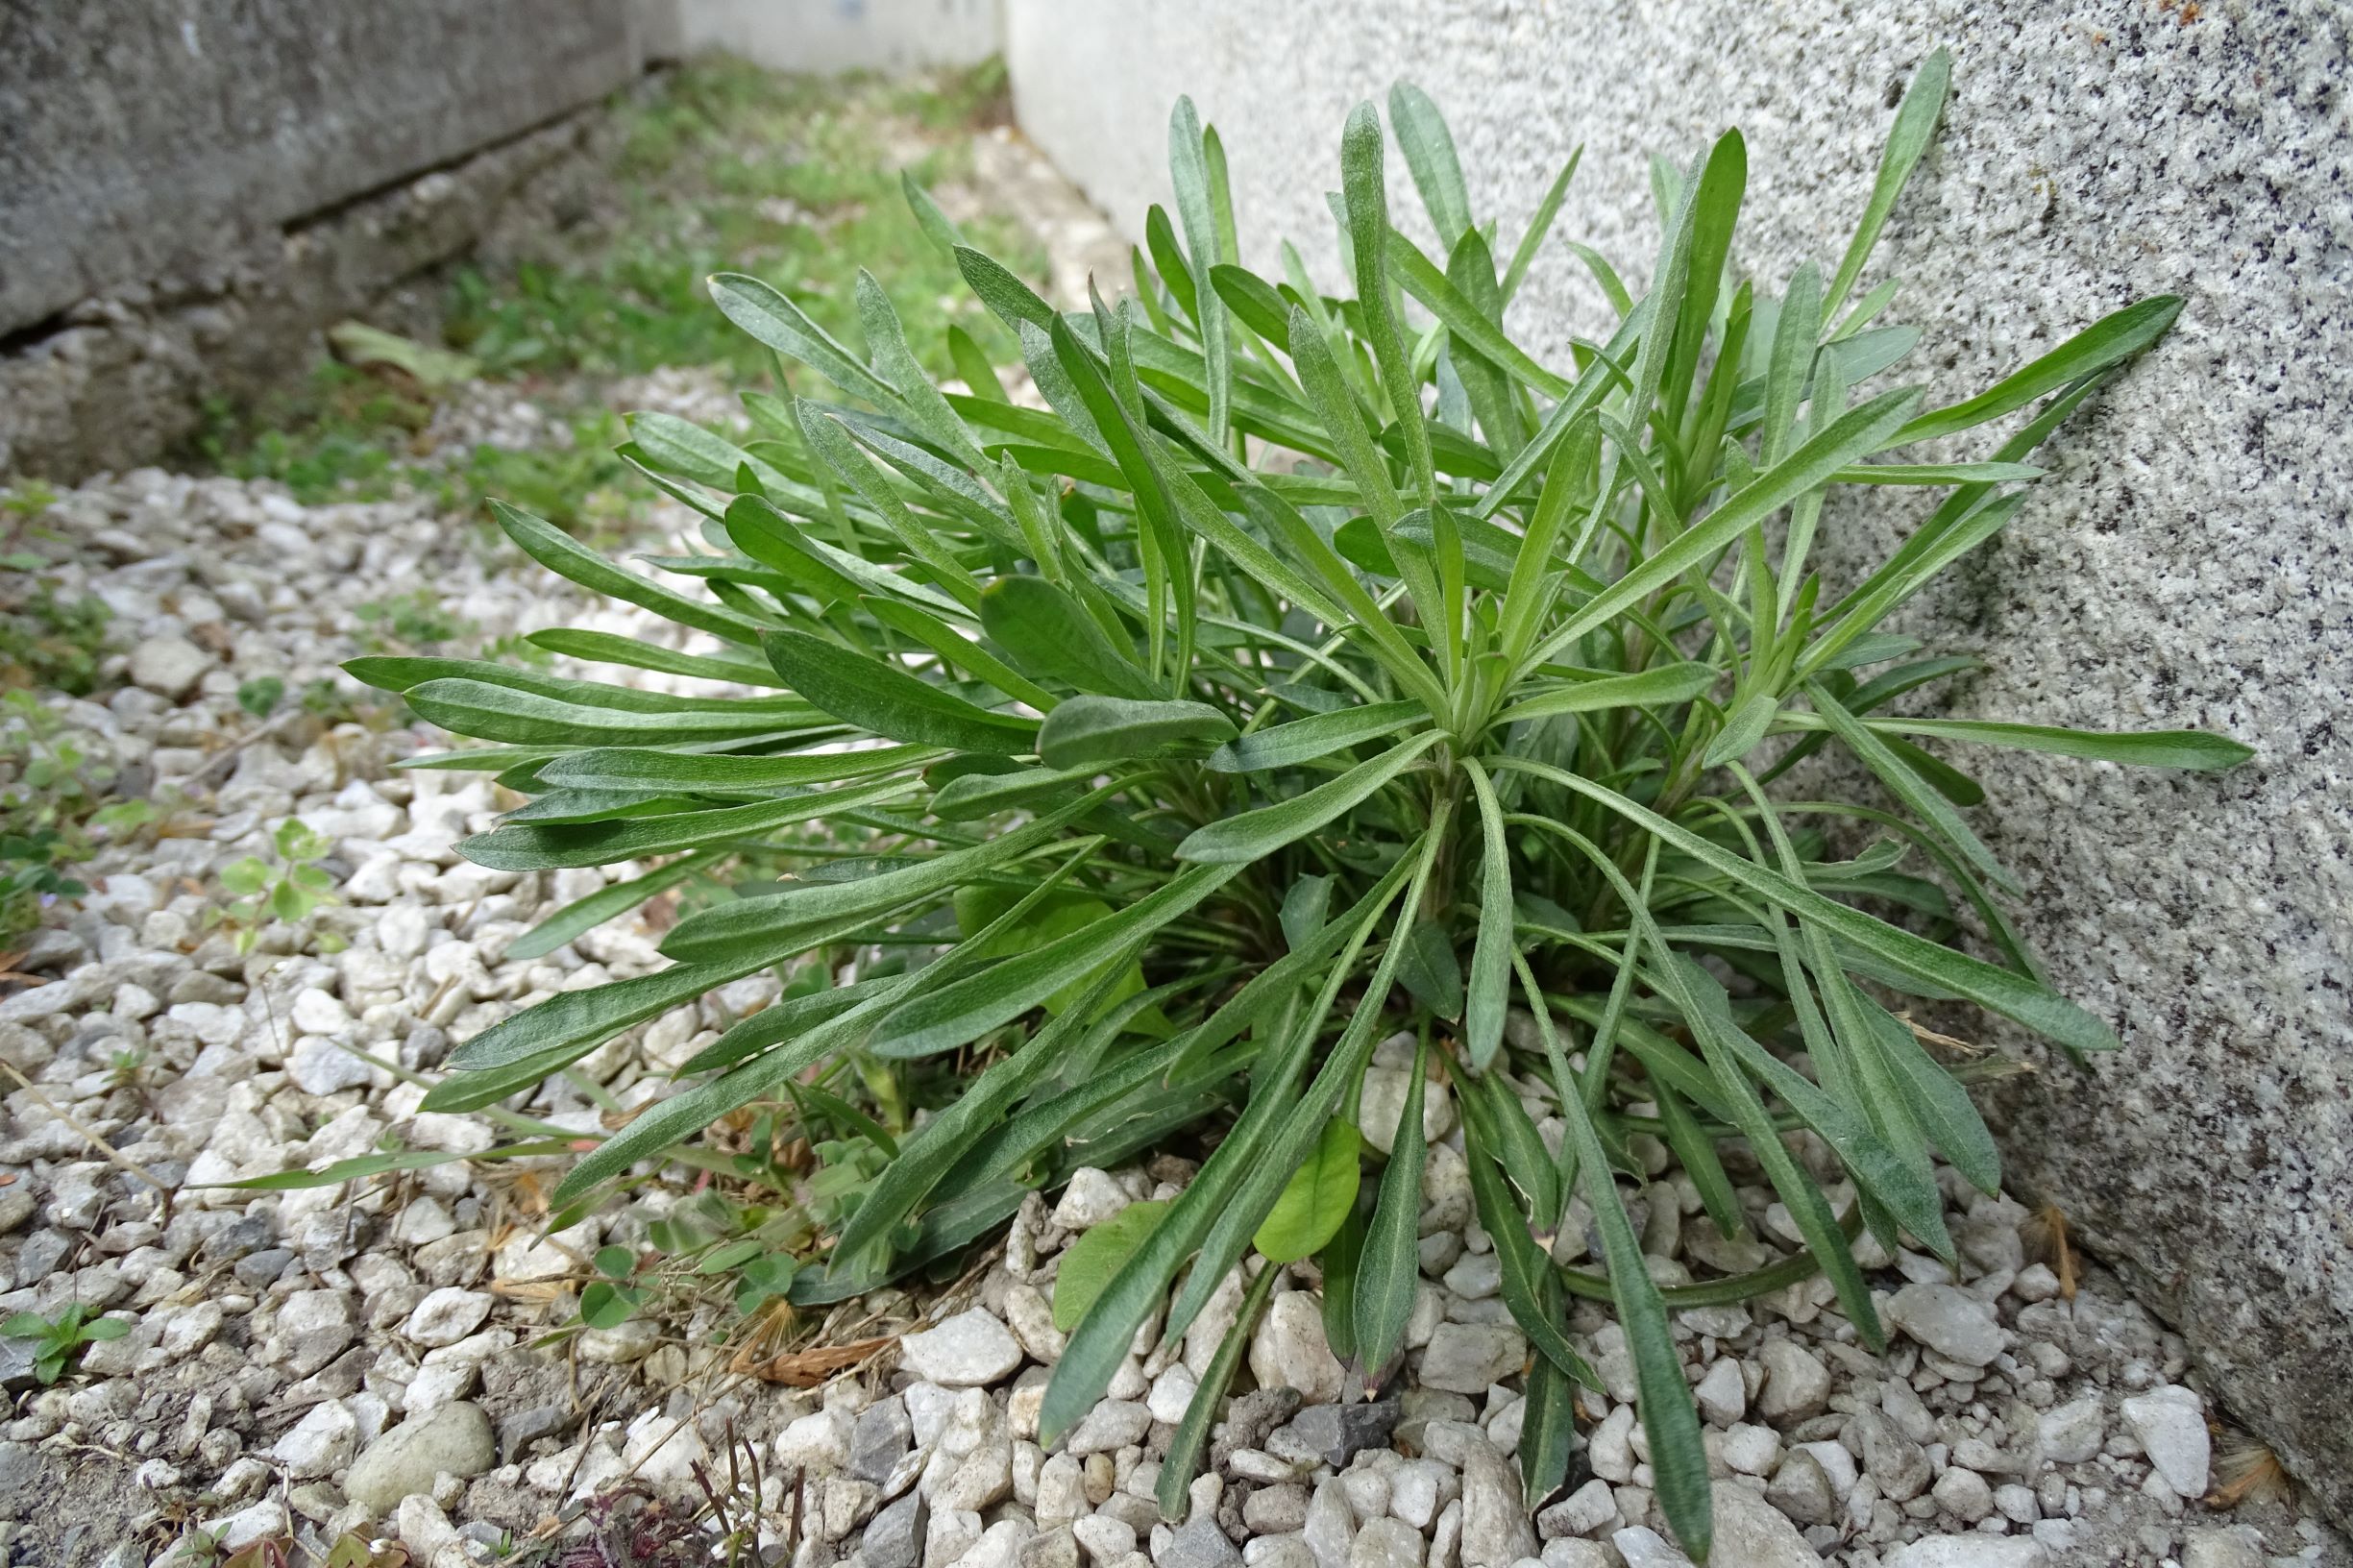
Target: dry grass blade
{"points": [[2247, 1471], [812, 1365], [2046, 1235]]}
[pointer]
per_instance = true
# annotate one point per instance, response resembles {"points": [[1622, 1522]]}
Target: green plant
{"points": [[49, 642], [57, 1340], [261, 695], [1303, 673], [286, 893], [52, 798], [412, 620]]}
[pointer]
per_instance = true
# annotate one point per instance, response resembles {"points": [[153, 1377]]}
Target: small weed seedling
{"points": [[57, 1340], [285, 893]]}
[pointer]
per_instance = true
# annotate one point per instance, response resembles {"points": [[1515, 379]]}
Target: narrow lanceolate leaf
{"points": [[585, 1019], [1390, 1264], [531, 847], [1743, 728], [885, 699], [785, 327], [1856, 434], [1679, 1461], [2112, 338], [1937, 1099], [609, 648], [1304, 740], [768, 924], [1089, 729], [1239, 840], [1916, 117], [606, 903], [630, 771], [1429, 149], [1189, 173], [1192, 1433], [1315, 1202], [1904, 781], [1668, 684], [1046, 632], [567, 557], [1427, 283], [2190, 749], [1489, 995], [2017, 997], [1523, 1266], [1368, 228], [955, 1015], [503, 713]]}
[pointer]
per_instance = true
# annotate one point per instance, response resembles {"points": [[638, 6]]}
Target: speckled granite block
{"points": [[2185, 563]]}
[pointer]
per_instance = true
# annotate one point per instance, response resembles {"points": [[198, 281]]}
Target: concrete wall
{"points": [[845, 34], [2185, 563], [190, 191], [144, 139]]}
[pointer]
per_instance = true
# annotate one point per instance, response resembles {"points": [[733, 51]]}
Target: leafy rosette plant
{"points": [[1292, 674]]}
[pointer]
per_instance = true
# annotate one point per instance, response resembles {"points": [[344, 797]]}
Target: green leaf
{"points": [[2188, 748], [559, 552], [1489, 992], [1429, 150], [1098, 1255], [1315, 1202], [587, 914], [2107, 341], [1193, 1431], [936, 226], [1663, 686], [1428, 284], [1914, 127], [1540, 224], [635, 771], [1390, 1264], [1255, 834], [1855, 433], [1304, 740], [1678, 1459], [955, 1015], [1189, 173], [1046, 632], [783, 326], [1095, 729], [1523, 1267], [1368, 228], [768, 927], [1429, 971], [2019, 997], [528, 846], [1743, 728], [605, 1305], [887, 701]]}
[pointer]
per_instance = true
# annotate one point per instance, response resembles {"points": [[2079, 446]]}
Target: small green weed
{"points": [[59, 1340], [286, 894], [53, 796], [413, 620], [49, 641]]}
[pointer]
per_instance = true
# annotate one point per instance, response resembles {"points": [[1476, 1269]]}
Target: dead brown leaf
{"points": [[808, 1367]]}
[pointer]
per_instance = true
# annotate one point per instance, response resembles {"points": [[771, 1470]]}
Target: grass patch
{"points": [[727, 167]]}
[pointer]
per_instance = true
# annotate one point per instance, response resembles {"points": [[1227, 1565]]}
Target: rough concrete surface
{"points": [[145, 140], [127, 374], [845, 34], [2184, 564]]}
